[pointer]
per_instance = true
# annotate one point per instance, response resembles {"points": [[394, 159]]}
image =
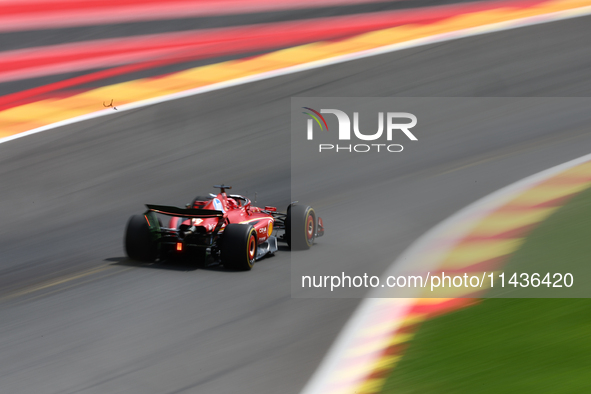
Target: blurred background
{"points": [[60, 48], [77, 316]]}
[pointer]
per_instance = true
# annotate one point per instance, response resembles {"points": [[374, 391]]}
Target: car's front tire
{"points": [[300, 226], [238, 246]]}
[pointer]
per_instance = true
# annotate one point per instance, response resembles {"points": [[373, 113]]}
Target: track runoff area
{"points": [[492, 249], [530, 344], [376, 351]]}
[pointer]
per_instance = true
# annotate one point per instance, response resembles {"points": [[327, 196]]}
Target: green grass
{"points": [[531, 345], [501, 346], [562, 244]]}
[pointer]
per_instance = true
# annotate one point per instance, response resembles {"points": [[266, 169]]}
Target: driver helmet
{"points": [[232, 203]]}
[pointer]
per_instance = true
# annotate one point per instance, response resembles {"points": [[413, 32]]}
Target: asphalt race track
{"points": [[77, 317]]}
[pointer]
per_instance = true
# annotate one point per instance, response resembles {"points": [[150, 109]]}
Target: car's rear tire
{"points": [[138, 240], [238, 246], [300, 226]]}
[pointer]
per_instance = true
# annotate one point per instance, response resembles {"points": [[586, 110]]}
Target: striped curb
{"points": [[487, 246], [478, 239], [22, 120]]}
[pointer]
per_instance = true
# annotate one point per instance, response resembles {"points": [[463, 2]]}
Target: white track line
{"points": [[475, 31]]}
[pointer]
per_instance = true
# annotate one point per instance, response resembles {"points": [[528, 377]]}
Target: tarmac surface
{"points": [[78, 317]]}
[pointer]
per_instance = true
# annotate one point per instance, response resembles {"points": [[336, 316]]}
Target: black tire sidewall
{"points": [[138, 240], [235, 246], [296, 226]]}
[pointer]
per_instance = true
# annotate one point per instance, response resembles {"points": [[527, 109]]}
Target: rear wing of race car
{"points": [[159, 233], [185, 212]]}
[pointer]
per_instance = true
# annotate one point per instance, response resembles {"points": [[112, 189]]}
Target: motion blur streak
{"points": [[35, 14], [47, 67], [374, 340], [197, 44], [72, 97]]}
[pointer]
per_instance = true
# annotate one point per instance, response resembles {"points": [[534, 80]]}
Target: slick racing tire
{"points": [[239, 246], [138, 240], [300, 227]]}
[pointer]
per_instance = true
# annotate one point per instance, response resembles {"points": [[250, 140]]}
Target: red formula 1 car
{"points": [[224, 229]]}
